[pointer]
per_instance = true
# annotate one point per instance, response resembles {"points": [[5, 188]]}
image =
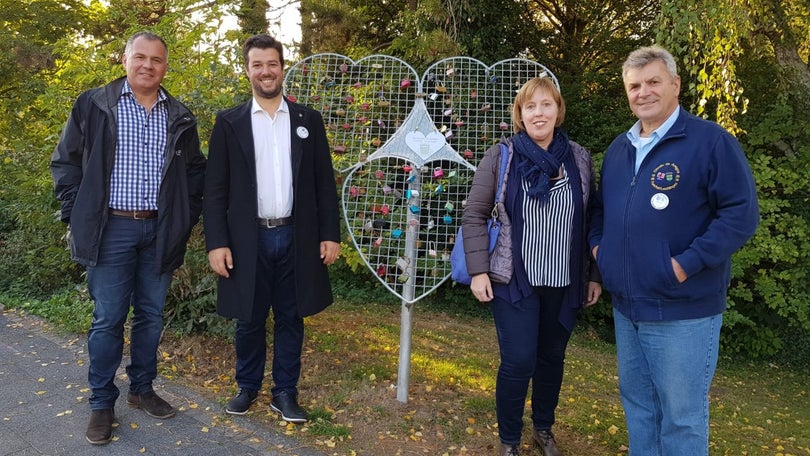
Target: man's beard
{"points": [[260, 91]]}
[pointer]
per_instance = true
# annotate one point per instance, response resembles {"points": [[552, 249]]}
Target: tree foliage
{"points": [[749, 65]]}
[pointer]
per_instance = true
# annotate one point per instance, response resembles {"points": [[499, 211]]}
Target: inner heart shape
{"points": [[425, 145]]}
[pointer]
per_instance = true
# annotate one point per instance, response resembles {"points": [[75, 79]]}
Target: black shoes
{"points": [[150, 403], [99, 429], [287, 405], [240, 404], [284, 403], [544, 438]]}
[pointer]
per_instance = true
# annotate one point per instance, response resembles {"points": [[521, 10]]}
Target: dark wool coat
{"points": [[230, 208]]}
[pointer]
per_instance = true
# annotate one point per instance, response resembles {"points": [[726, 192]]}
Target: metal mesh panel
{"points": [[405, 149]]}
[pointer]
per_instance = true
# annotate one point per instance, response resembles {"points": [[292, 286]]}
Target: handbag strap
{"points": [[505, 160]]}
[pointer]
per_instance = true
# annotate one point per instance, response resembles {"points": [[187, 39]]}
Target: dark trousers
{"points": [[275, 289], [532, 345]]}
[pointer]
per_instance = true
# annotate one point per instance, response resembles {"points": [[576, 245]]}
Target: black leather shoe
{"points": [[287, 405], [150, 403], [99, 429], [544, 438], [240, 404]]}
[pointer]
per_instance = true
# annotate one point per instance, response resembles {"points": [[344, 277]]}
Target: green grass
{"points": [[71, 310]]}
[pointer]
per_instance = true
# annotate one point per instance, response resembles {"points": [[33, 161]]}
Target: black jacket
{"points": [[82, 165]]}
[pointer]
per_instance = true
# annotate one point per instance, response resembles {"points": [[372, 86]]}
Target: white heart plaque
{"points": [[425, 145]]}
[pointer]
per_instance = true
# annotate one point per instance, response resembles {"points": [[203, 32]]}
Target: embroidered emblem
{"points": [[665, 176]]}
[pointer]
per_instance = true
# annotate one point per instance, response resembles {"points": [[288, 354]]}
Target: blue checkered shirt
{"points": [[139, 153]]}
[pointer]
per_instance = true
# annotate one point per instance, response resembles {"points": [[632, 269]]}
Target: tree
{"points": [[252, 16], [746, 64]]}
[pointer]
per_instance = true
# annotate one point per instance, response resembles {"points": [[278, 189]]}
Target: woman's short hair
{"points": [[526, 93]]}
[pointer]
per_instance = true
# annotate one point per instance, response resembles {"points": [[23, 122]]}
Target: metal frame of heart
{"points": [[404, 146]]}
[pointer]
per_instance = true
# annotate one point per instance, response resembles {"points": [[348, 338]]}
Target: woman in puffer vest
{"points": [[550, 180]]}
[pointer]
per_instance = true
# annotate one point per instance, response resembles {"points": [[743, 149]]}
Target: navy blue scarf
{"points": [[537, 166], [519, 287]]}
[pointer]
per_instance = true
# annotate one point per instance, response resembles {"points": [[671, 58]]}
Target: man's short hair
{"points": [[145, 35], [641, 57], [263, 41]]}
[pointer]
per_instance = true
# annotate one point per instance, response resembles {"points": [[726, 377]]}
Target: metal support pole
{"points": [[406, 319]]}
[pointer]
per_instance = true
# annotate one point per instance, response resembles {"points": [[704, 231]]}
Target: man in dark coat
{"points": [[272, 226], [129, 173]]}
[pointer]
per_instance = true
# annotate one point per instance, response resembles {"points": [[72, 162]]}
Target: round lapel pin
{"points": [[659, 201], [302, 132]]}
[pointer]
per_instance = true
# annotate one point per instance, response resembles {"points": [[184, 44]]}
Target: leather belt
{"points": [[274, 222], [137, 215]]}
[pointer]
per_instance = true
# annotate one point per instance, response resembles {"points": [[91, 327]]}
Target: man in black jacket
{"points": [[272, 226], [129, 173]]}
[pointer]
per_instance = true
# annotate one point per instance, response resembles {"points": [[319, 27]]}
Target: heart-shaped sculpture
{"points": [[407, 146]]}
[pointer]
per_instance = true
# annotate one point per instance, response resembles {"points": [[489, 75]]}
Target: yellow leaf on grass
{"points": [[612, 430]]}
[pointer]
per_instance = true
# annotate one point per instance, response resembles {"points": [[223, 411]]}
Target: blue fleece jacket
{"points": [[694, 200]]}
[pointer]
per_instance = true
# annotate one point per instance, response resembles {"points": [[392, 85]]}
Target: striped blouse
{"points": [[547, 232]]}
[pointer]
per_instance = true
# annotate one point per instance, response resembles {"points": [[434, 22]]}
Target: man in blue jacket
{"points": [[129, 173], [676, 200]]}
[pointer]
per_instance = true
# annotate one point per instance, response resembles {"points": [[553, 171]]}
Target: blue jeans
{"points": [[532, 345], [275, 288], [665, 370], [126, 275]]}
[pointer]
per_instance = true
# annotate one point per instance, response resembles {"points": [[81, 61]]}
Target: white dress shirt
{"points": [[271, 141]]}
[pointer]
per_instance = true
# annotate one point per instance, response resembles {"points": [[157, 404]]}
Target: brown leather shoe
{"points": [[545, 440], [508, 450], [99, 429], [150, 403]]}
